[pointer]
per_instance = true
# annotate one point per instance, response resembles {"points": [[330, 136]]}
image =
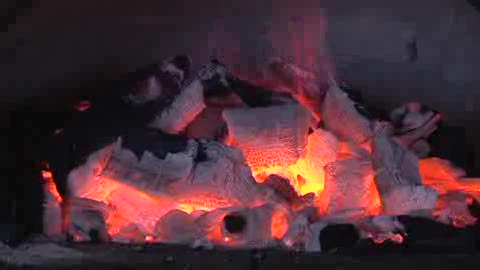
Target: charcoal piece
{"points": [[414, 122], [129, 233], [409, 199], [442, 175], [341, 118], [453, 209], [222, 179], [321, 149], [394, 164], [350, 186], [150, 174], [263, 224], [185, 107], [270, 138], [159, 80], [177, 227], [397, 175], [86, 220], [410, 116], [338, 236], [209, 124], [282, 187]]}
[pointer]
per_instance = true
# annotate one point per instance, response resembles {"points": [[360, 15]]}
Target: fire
{"points": [[279, 224], [51, 186]]}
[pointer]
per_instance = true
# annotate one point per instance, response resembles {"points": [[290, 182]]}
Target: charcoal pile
{"points": [[206, 159]]}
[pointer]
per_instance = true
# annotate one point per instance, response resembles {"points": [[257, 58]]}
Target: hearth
{"points": [[293, 160]]}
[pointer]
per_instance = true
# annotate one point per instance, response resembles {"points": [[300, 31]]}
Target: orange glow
{"points": [[50, 185], [444, 177], [279, 224], [149, 238]]}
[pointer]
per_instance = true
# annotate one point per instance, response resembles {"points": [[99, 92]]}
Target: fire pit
{"points": [[208, 160]]}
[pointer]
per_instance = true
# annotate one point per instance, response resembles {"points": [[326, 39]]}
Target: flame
{"points": [[50, 185]]}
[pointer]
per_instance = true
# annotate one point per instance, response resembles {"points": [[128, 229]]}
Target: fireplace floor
{"points": [[159, 256]]}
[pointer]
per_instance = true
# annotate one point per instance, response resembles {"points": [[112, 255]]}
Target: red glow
{"points": [[50, 185], [83, 105]]}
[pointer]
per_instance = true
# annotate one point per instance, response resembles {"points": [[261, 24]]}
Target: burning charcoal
{"points": [[222, 178], [453, 209], [414, 122], [150, 174], [190, 102], [350, 186], [296, 235], [397, 176], [160, 80], [443, 176], [185, 107], [301, 84], [177, 227], [83, 178], [52, 207], [282, 187], [209, 124], [271, 138], [138, 208], [214, 78], [129, 233], [341, 117], [262, 225], [382, 228], [338, 236], [409, 199], [321, 149], [395, 165], [86, 220], [410, 116]]}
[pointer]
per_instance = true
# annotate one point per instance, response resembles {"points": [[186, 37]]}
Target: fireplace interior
{"points": [[191, 135]]}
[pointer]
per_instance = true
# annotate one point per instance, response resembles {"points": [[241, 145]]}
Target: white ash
{"points": [[184, 109], [224, 175], [394, 164], [340, 117], [349, 186], [262, 132], [177, 227], [151, 174], [405, 200]]}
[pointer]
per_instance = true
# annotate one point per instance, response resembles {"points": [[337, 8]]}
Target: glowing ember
{"points": [[351, 170], [50, 185]]}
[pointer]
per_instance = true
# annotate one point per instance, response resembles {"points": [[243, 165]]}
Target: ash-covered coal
{"points": [[205, 158]]}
